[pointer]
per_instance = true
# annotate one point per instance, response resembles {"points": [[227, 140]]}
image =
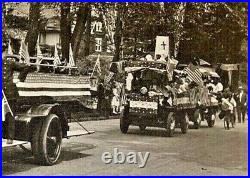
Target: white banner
{"points": [[162, 46]]}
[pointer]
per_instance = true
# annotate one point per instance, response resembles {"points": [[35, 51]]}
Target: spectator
{"points": [[227, 110], [218, 86], [115, 101], [241, 100], [233, 102], [129, 80]]}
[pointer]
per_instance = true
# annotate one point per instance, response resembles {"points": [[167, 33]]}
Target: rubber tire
{"points": [[142, 127], [39, 140], [124, 125], [197, 123], [211, 122], [170, 118], [184, 124]]}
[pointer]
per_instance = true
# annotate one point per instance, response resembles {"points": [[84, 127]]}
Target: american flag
{"points": [[57, 60], [108, 78], [23, 52], [9, 49], [194, 75], [171, 65], [71, 58], [98, 64], [38, 50]]}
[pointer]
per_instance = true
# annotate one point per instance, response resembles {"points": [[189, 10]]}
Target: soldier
{"points": [[9, 65]]}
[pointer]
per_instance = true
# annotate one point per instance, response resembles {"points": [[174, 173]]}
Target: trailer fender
{"points": [[37, 113]]}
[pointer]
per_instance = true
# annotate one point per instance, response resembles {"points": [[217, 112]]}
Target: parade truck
{"points": [[46, 101], [206, 101], [151, 99]]}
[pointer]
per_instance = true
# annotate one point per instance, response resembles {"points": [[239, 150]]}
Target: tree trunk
{"points": [[77, 36], [118, 34], [185, 44], [32, 35], [65, 27], [135, 47], [180, 14], [87, 35]]}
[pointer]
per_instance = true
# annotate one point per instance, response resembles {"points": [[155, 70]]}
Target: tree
{"points": [[34, 20], [118, 32], [65, 32], [87, 35], [78, 33]]}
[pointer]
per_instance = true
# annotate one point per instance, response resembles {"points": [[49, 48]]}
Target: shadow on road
{"points": [[154, 132], [15, 160]]}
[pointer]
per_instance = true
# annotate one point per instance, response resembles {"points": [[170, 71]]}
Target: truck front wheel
{"points": [[124, 125], [197, 117], [46, 140], [211, 120], [170, 124], [184, 123]]}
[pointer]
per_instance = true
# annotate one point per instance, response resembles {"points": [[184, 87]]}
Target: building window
{"points": [[98, 44], [98, 26], [92, 28]]}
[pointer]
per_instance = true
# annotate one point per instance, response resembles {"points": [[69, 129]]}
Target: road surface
{"points": [[206, 151]]}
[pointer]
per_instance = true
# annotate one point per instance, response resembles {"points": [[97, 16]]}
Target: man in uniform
{"points": [[9, 65]]}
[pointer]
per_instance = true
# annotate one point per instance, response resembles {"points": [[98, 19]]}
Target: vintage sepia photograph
{"points": [[125, 88]]}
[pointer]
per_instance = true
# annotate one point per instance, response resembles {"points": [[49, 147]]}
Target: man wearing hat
{"points": [[241, 100], [9, 66]]}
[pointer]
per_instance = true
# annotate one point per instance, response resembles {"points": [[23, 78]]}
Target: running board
{"points": [[76, 133], [15, 143]]}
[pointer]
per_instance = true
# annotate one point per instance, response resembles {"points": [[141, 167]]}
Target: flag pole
{"points": [[12, 114], [95, 65]]}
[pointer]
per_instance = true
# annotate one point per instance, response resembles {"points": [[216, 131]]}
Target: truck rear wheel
{"points": [[184, 123], [170, 124], [46, 140], [197, 119], [124, 125], [211, 120]]}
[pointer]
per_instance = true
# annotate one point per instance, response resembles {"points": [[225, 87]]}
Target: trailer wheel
{"points": [[197, 121], [211, 120], [170, 124], [47, 140], [184, 123], [124, 125]]}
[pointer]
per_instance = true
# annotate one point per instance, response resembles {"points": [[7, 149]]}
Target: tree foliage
{"points": [[216, 32]]}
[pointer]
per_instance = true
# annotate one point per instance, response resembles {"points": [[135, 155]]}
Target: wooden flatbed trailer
{"points": [[44, 111]]}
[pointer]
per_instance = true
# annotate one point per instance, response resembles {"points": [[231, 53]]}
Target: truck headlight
{"points": [[143, 90]]}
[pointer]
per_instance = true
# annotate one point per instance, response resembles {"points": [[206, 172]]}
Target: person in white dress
{"points": [[115, 101]]}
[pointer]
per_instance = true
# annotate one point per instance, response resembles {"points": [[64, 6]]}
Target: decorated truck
{"points": [[151, 99], [47, 100]]}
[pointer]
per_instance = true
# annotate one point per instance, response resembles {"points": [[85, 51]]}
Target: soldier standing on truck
{"points": [[9, 65]]}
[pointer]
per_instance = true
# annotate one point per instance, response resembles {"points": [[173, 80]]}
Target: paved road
{"points": [[207, 151]]}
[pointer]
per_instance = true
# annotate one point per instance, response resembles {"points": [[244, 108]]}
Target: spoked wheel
{"points": [[211, 120], [124, 125], [184, 123], [142, 127], [197, 117], [170, 124], [47, 140]]}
